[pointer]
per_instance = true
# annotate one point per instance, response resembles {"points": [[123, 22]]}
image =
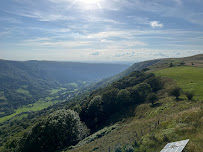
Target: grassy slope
{"points": [[39, 105], [188, 78], [177, 121], [153, 127]]}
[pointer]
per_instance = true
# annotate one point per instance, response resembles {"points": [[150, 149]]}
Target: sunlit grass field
{"points": [[39, 105], [188, 78]]}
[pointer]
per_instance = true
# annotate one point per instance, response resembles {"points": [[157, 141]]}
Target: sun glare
{"points": [[90, 4], [90, 1]]}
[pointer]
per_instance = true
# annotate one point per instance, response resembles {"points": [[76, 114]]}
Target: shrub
{"points": [[152, 97], [140, 92], [61, 129], [94, 107], [155, 83], [175, 92], [189, 95], [123, 97]]}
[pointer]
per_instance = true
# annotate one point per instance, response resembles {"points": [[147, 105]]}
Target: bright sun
{"points": [[90, 4], [90, 1]]}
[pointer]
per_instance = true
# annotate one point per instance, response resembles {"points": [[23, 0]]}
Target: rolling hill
{"points": [[23, 83], [136, 112]]}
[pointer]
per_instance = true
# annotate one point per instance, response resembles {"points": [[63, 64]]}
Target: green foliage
{"points": [[94, 107], [175, 92], [109, 101], [129, 91], [140, 92], [152, 98], [155, 83], [189, 95], [62, 128], [123, 97]]}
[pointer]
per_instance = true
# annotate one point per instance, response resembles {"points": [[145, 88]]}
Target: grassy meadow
{"points": [[39, 105], [188, 78]]}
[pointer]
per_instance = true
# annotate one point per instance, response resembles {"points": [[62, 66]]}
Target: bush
{"points": [[155, 83], [140, 92], [94, 107], [189, 95], [123, 97], [152, 97], [61, 129], [175, 92]]}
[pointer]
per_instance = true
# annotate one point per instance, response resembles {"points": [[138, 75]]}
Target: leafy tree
{"points": [[109, 101], [189, 95], [155, 83], [77, 108], [94, 107], [175, 92], [123, 97], [61, 129], [118, 85], [152, 98], [140, 92]]}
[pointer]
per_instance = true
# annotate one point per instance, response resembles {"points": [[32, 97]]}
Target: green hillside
{"points": [[24, 83], [188, 78], [136, 113], [152, 127]]}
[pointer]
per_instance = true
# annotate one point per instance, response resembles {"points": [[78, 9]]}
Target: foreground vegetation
{"points": [[140, 112]]}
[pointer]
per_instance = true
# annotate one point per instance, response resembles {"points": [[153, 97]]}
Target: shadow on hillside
{"points": [[121, 115], [179, 99], [156, 105]]}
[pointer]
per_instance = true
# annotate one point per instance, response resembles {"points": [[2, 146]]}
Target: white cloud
{"points": [[156, 24], [95, 53]]}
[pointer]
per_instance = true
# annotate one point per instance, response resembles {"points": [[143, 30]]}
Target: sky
{"points": [[100, 30]]}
